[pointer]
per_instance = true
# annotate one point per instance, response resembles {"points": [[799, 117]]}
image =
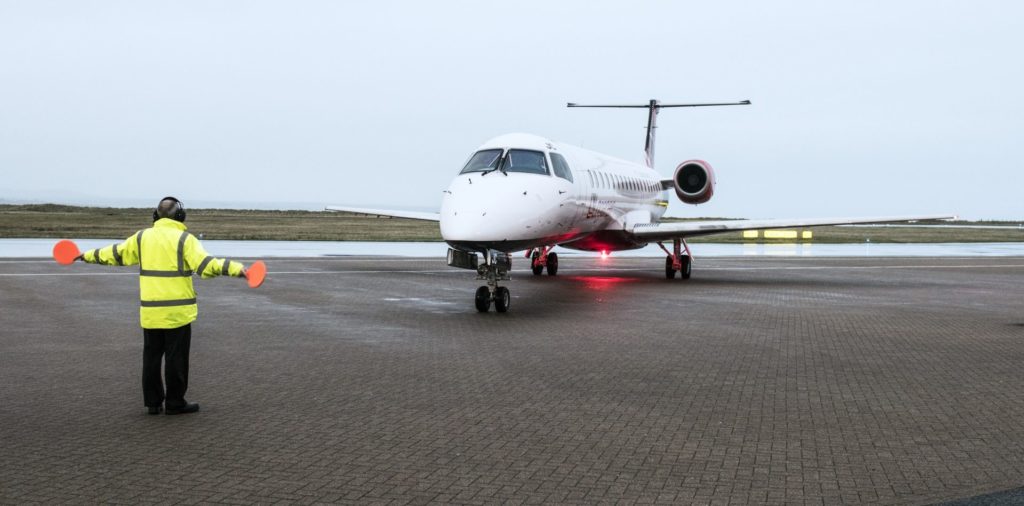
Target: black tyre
{"points": [[552, 264], [685, 272], [537, 268], [670, 273], [502, 299], [483, 299]]}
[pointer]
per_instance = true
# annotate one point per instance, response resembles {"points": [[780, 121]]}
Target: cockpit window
{"points": [[561, 166], [521, 160], [482, 160]]}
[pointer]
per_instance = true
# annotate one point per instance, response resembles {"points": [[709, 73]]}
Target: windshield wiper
{"points": [[498, 166]]}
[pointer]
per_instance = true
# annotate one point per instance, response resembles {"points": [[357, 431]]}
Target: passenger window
{"points": [[561, 166], [482, 160], [521, 160]]}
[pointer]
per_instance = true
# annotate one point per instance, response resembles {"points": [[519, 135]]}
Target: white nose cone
{"points": [[496, 211], [477, 209]]}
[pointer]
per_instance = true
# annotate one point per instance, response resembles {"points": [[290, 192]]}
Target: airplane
{"points": [[522, 192]]}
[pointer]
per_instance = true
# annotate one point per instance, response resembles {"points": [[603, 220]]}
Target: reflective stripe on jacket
{"points": [[167, 256]]}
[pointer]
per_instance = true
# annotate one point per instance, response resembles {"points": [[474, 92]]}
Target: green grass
{"points": [[57, 221], [52, 221]]}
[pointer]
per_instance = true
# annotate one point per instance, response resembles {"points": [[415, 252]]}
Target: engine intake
{"points": [[694, 181]]}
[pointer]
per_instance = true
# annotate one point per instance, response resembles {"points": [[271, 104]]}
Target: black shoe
{"points": [[183, 410], [155, 410]]}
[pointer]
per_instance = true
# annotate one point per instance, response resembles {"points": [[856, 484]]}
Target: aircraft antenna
{"points": [[652, 119]]}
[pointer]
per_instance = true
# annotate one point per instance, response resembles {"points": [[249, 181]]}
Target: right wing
{"points": [[683, 229], [412, 215]]}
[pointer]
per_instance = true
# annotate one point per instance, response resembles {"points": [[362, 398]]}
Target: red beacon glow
{"points": [[604, 254]]}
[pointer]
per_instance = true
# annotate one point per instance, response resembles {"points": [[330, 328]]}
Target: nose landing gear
{"points": [[495, 268]]}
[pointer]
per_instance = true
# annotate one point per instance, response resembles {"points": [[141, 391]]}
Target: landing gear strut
{"points": [[676, 261], [541, 258], [495, 268]]}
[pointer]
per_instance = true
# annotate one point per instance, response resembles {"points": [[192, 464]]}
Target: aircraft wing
{"points": [[412, 215], [677, 230]]}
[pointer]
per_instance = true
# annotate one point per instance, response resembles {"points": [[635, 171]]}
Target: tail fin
{"points": [[652, 119]]}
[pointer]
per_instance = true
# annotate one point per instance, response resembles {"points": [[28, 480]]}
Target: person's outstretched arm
{"points": [[125, 253], [207, 266]]}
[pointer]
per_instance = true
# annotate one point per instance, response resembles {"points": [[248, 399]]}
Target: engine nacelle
{"points": [[694, 181]]}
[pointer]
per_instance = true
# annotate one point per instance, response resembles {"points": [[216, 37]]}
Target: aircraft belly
{"points": [[606, 240]]}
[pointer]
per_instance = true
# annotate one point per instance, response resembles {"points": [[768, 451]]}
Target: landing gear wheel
{"points": [[502, 299], [483, 299], [536, 267], [670, 273], [685, 272], [552, 264]]}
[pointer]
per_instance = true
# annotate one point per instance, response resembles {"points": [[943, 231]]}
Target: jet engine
{"points": [[694, 181]]}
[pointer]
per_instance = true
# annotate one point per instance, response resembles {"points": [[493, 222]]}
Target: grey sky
{"points": [[860, 108]]}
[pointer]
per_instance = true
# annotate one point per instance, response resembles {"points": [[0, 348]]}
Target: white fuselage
{"points": [[508, 210]]}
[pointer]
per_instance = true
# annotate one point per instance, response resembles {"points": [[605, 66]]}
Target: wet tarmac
{"points": [[762, 380]]}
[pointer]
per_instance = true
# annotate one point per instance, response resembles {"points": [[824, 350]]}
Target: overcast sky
{"points": [[859, 108]]}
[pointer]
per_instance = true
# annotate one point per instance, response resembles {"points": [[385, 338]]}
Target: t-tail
{"points": [[652, 119]]}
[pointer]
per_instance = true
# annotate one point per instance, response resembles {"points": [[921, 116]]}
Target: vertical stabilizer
{"points": [[652, 119], [652, 124]]}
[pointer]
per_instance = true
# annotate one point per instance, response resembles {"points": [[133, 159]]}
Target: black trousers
{"points": [[172, 346]]}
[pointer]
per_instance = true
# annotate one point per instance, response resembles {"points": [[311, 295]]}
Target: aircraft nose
{"points": [[486, 210], [470, 219]]}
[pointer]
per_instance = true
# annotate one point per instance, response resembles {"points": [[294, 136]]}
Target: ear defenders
{"points": [[179, 210]]}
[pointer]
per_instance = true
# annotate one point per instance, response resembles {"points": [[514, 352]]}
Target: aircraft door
{"points": [[577, 189]]}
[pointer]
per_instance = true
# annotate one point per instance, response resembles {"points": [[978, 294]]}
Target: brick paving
{"points": [[360, 380]]}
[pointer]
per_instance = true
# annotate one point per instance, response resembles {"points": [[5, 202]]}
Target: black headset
{"points": [[179, 210]]}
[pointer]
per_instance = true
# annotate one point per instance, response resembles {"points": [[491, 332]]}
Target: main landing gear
{"points": [[676, 261], [541, 258], [495, 268]]}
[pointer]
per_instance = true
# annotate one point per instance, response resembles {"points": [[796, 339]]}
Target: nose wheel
{"points": [[483, 299], [502, 299], [494, 269]]}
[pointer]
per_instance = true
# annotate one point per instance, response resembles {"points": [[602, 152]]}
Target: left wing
{"points": [[683, 229], [412, 215]]}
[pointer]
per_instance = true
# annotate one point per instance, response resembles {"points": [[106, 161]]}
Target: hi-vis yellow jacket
{"points": [[167, 256]]}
